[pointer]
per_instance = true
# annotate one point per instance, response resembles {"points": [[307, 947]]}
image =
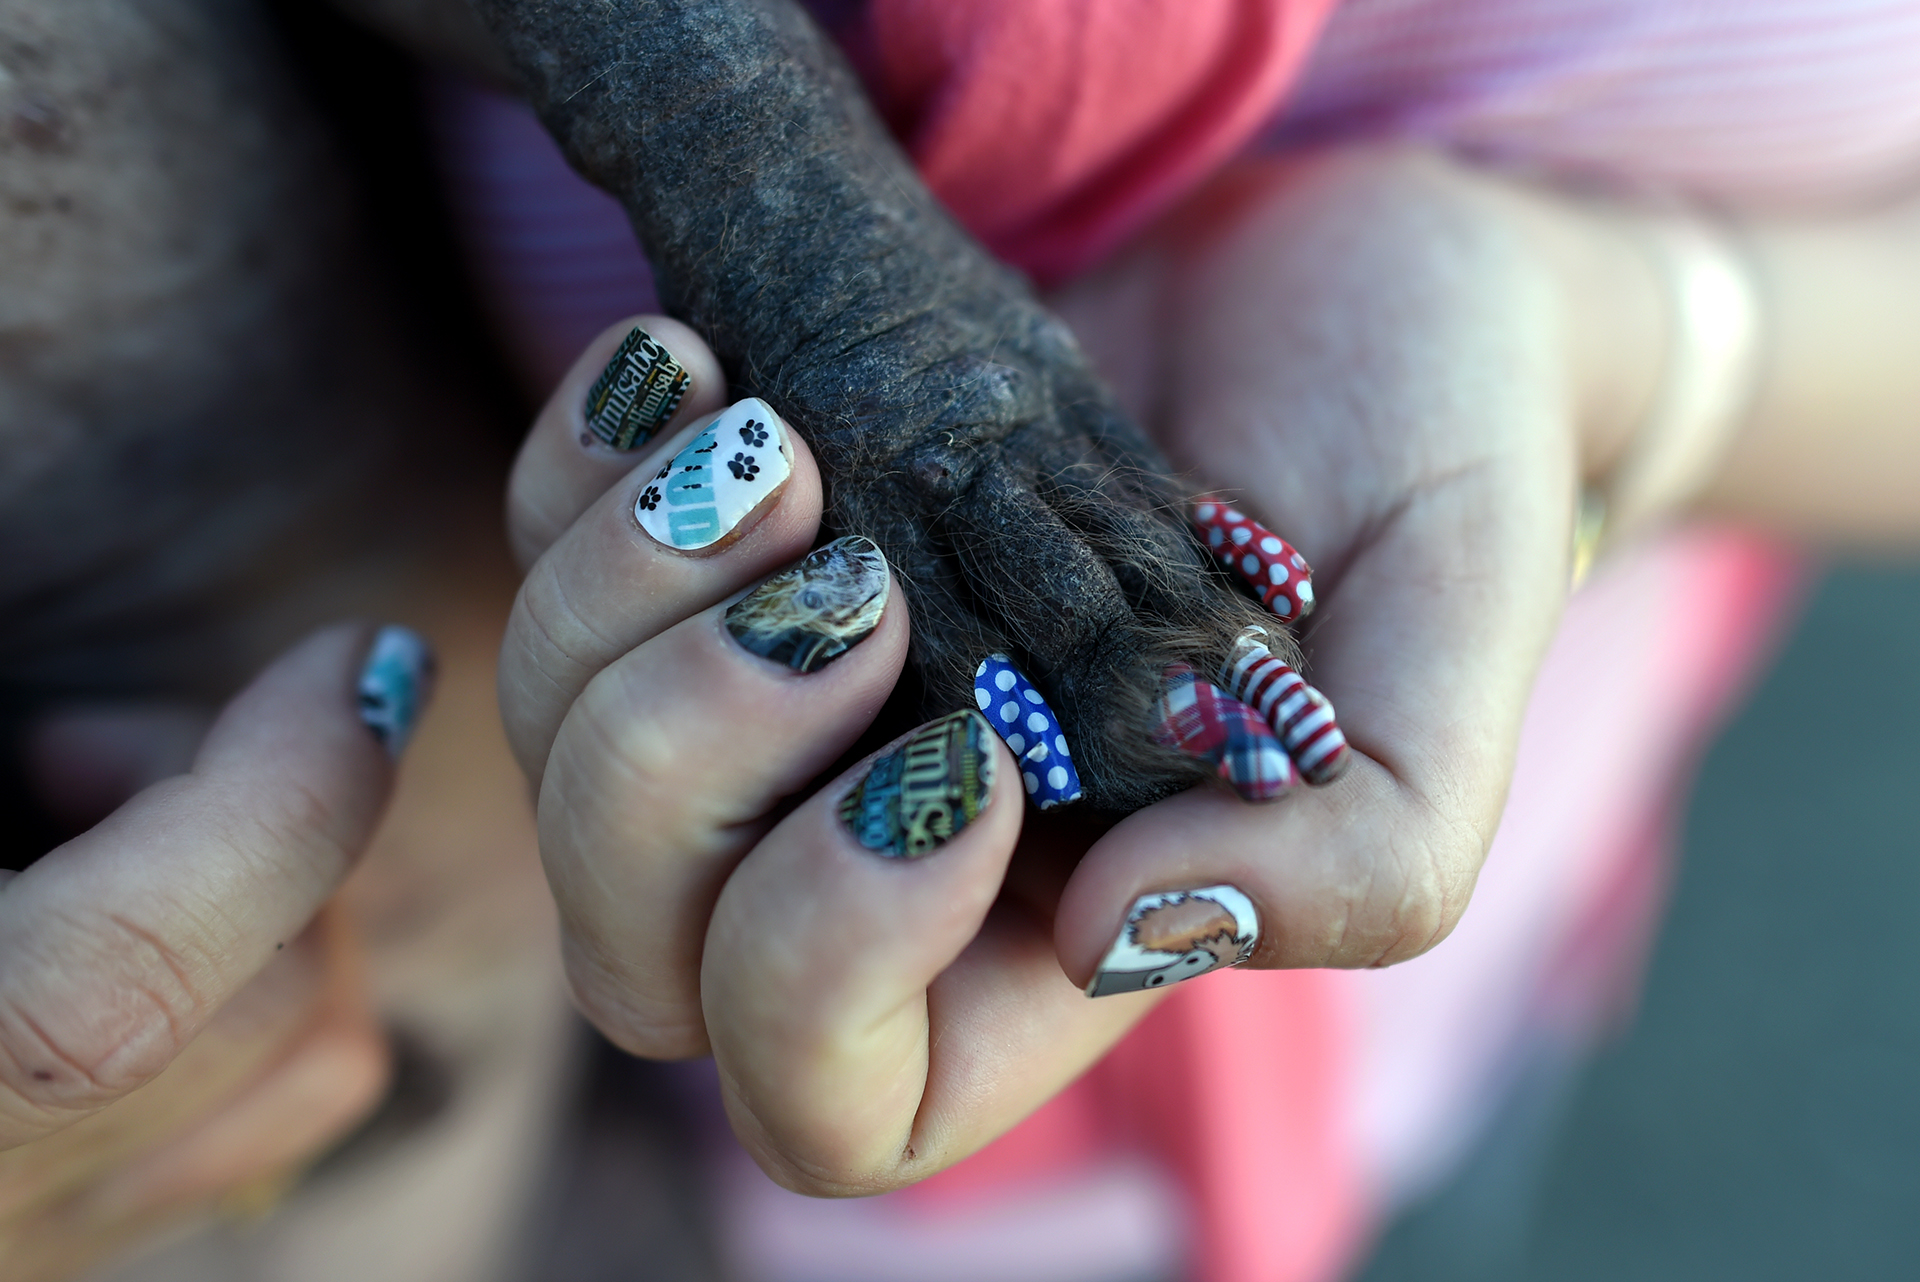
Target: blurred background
{"points": [[1758, 1118]]}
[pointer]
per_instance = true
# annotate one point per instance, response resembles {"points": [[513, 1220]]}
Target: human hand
{"points": [[874, 1018], [172, 1028], [1374, 356], [1381, 355]]}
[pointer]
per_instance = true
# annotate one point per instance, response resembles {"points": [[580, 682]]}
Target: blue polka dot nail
{"points": [[1020, 715]]}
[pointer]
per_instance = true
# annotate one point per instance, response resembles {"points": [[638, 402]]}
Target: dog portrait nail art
{"points": [[1267, 563], [1205, 722], [810, 615], [922, 793], [393, 686], [1019, 714], [723, 475], [1299, 714], [636, 393], [1176, 935]]}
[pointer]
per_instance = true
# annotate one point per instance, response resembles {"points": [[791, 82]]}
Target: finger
{"points": [[1427, 648], [117, 948], [875, 1016], [1405, 422], [282, 1070], [668, 766], [329, 1078], [638, 382], [640, 560]]}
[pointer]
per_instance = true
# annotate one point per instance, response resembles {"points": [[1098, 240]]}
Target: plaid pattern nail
{"points": [[1200, 720]]}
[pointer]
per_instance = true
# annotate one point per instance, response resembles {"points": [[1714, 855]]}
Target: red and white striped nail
{"points": [[1277, 573], [1299, 714]]}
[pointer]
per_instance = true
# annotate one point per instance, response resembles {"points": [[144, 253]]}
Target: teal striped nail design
{"points": [[721, 477]]}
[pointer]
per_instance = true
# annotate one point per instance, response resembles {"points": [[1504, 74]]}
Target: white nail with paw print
{"points": [[723, 476]]}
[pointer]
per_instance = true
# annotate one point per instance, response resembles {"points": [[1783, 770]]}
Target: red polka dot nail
{"points": [[1276, 572]]}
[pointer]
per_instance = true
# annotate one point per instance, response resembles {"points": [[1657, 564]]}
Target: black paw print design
{"points": [[743, 467], [650, 497], [754, 433]]}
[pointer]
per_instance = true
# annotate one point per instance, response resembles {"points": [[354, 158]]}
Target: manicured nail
{"points": [[811, 614], [1217, 728], [394, 686], [1298, 713], [636, 393], [1177, 935], [1278, 575], [725, 474], [924, 791], [1020, 715]]}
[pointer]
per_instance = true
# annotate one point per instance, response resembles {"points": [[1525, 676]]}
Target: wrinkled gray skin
{"points": [[190, 378]]}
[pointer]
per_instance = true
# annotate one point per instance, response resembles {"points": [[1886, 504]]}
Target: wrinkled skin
{"points": [[956, 420]]}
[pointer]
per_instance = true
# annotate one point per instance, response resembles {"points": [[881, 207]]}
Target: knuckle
{"points": [[63, 1053], [619, 734], [659, 1026], [559, 636], [1419, 905]]}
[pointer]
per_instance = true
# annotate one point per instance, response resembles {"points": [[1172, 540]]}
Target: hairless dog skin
{"points": [[956, 421]]}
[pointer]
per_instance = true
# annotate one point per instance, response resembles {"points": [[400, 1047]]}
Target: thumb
{"points": [[118, 947]]}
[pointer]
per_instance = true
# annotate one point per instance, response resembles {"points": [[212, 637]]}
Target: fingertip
{"points": [[640, 380], [333, 713], [719, 480], [395, 686]]}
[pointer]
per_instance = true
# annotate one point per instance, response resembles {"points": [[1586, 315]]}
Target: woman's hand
{"points": [[876, 1014], [1378, 356]]}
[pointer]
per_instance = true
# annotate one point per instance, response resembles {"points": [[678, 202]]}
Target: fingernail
{"points": [[811, 614], [1278, 575], [925, 791], [1299, 714], [394, 684], [636, 393], [1176, 935], [723, 476], [1201, 721], [1020, 715]]}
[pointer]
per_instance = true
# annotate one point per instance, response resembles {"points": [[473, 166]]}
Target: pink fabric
{"points": [[1056, 130], [1760, 102]]}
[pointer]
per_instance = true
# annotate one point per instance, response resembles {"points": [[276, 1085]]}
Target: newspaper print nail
{"points": [[1268, 564], [1176, 935], [1018, 712], [394, 685], [811, 614], [724, 475], [636, 393], [1299, 714], [925, 791]]}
